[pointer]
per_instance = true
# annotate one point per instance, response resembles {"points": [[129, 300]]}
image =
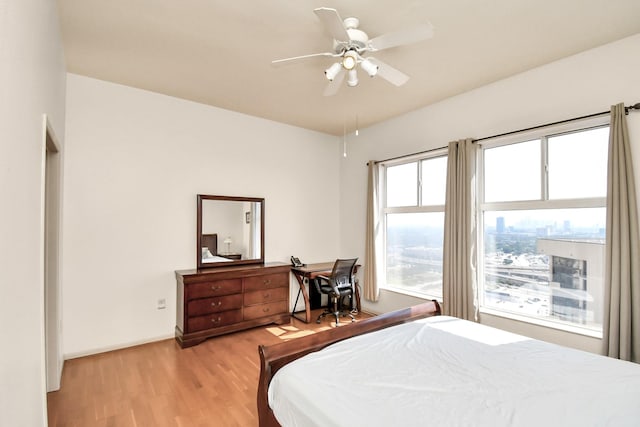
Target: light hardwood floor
{"points": [[159, 384]]}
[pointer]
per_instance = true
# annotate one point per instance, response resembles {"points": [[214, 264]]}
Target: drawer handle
{"points": [[216, 320], [265, 310], [213, 304], [267, 295], [267, 282], [216, 288]]}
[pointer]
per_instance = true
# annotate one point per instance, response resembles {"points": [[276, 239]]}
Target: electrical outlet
{"points": [[162, 303]]}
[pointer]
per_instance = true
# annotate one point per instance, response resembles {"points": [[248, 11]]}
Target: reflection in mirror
{"points": [[230, 231]]}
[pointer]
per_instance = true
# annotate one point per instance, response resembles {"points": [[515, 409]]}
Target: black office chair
{"points": [[340, 284]]}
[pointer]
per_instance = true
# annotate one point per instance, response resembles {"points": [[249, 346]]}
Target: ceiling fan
{"points": [[350, 43]]}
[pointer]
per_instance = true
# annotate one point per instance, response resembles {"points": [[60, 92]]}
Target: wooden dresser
{"points": [[216, 301]]}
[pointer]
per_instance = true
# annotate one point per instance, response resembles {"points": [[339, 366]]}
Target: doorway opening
{"points": [[52, 294]]}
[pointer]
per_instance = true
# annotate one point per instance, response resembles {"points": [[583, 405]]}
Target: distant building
{"points": [[576, 270], [500, 224], [544, 231]]}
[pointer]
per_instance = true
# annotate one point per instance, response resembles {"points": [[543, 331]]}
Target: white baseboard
{"points": [[91, 352]]}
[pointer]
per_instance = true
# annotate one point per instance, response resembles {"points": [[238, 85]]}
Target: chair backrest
{"points": [[342, 273]]}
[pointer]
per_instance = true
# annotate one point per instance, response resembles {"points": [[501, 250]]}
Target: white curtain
{"points": [[460, 296], [622, 265], [371, 291]]}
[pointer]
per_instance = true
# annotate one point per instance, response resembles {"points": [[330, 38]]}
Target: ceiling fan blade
{"points": [[410, 35], [295, 58], [333, 23], [389, 73], [333, 86]]}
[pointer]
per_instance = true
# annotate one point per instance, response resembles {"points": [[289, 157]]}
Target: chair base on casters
{"points": [[336, 312]]}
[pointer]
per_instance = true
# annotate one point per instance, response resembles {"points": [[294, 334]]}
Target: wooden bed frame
{"points": [[274, 357], [210, 241]]}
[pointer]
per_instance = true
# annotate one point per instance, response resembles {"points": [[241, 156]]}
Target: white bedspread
{"points": [[444, 371], [215, 258]]}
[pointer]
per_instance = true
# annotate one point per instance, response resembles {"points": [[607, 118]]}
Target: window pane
{"points": [[546, 263], [578, 164], [402, 185], [434, 181], [414, 252], [512, 172]]}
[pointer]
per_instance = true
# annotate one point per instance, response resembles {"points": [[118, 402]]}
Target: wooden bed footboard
{"points": [[274, 357]]}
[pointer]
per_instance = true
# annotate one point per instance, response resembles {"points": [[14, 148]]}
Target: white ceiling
{"points": [[219, 52]]}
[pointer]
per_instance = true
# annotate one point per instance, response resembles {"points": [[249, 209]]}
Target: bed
{"points": [[210, 249], [416, 367]]}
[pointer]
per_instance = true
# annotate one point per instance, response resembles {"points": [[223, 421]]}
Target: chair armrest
{"points": [[316, 282], [329, 281]]}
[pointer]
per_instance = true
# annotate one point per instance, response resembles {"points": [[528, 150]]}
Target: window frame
{"points": [[418, 208], [543, 134]]}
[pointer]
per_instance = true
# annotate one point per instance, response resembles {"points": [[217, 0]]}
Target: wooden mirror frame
{"points": [[200, 199]]}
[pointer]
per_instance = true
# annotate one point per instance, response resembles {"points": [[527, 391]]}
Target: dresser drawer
{"points": [[262, 310], [214, 320], [213, 288], [266, 295], [202, 306], [266, 281]]}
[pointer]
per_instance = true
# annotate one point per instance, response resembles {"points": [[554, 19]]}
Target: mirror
{"points": [[230, 231]]}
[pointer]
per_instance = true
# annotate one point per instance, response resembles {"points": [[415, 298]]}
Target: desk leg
{"points": [[357, 296], [302, 281]]}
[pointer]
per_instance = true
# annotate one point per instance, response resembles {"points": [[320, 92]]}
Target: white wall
{"points": [[32, 83], [135, 161], [586, 83]]}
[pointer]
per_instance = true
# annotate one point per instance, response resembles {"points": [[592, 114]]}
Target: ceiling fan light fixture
{"points": [[352, 80], [349, 60], [369, 67], [331, 72]]}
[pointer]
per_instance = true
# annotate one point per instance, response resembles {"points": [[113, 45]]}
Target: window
{"points": [[414, 225], [543, 215]]}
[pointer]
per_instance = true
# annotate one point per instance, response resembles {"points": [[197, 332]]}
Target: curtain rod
{"points": [[635, 106]]}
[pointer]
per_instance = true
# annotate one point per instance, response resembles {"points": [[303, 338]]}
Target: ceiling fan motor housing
{"points": [[358, 39]]}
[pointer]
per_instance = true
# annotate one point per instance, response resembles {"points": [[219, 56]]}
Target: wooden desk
{"points": [[308, 272]]}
